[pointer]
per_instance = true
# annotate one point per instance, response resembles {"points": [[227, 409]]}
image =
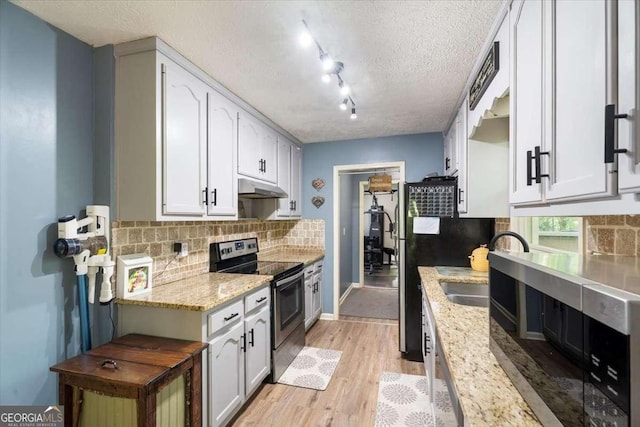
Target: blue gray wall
{"points": [[346, 232], [422, 154], [46, 171]]}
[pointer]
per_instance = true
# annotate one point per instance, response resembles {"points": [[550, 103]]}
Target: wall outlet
{"points": [[181, 249]]}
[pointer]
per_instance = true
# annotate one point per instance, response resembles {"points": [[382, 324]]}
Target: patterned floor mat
{"points": [[403, 401], [312, 368]]}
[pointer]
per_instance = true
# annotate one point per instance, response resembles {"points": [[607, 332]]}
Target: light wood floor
{"points": [[350, 400]]}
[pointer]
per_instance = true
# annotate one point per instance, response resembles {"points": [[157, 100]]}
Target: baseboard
{"points": [[327, 316], [346, 293], [539, 336]]}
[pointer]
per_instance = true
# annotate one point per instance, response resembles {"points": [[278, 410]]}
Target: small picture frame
{"points": [[135, 275]]}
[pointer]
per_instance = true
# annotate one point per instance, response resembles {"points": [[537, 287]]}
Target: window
{"points": [[552, 234]]}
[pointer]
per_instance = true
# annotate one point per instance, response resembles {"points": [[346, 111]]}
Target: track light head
{"points": [[327, 62], [344, 88], [343, 105], [353, 114], [326, 78], [305, 39]]}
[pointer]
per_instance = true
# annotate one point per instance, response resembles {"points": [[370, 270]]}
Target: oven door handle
{"points": [[288, 280]]}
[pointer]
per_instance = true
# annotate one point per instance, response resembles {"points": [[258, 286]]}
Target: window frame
{"points": [[525, 226]]}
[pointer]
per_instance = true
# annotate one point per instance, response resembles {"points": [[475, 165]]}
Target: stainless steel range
{"points": [[287, 295]]}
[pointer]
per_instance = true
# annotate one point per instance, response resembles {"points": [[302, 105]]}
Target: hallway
{"points": [[369, 348]]}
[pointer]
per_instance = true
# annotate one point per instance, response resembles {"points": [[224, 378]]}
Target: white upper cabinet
{"points": [[628, 96], [578, 86], [184, 115], [222, 191], [257, 149], [525, 98], [461, 156], [289, 174], [562, 79]]}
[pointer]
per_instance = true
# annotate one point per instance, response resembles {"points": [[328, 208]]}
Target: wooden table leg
{"points": [[195, 391], [146, 408]]}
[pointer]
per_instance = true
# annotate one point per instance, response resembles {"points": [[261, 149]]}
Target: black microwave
{"points": [[569, 343]]}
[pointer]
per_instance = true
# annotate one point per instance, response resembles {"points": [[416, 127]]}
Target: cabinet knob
{"points": [[610, 118]]}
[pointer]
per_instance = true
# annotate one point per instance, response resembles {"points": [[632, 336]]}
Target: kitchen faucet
{"points": [[492, 243]]}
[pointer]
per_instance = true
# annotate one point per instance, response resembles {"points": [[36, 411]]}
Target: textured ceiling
{"points": [[406, 61]]}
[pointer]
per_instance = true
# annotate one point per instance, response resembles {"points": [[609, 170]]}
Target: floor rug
{"points": [[374, 303], [403, 401], [312, 368]]}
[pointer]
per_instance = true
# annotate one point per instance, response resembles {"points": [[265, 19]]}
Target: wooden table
{"points": [[135, 367]]}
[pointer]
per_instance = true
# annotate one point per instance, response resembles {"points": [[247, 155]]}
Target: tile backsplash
{"points": [[156, 239], [605, 234], [613, 234]]}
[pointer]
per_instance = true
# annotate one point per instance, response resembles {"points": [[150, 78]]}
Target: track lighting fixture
{"points": [[329, 67]]}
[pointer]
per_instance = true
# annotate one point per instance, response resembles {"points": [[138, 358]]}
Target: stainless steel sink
{"points": [[472, 300], [473, 294], [464, 288]]}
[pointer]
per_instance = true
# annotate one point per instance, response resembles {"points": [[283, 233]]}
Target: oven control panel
{"points": [[236, 248]]}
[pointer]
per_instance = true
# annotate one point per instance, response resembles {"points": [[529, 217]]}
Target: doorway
{"points": [[378, 263], [349, 240]]}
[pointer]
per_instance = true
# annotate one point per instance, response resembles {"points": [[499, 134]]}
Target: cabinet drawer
{"points": [[258, 298], [308, 270], [226, 316]]}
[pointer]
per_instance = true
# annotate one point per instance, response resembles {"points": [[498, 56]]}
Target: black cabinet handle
{"points": [[447, 163], [537, 155], [214, 195], [460, 191], [535, 158], [226, 319], [610, 117], [265, 166], [243, 346], [260, 165], [529, 174], [206, 196], [258, 301], [295, 205], [290, 205], [427, 350], [251, 337]]}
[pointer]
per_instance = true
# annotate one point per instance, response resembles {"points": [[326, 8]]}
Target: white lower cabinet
{"points": [[428, 344], [240, 356], [239, 353], [226, 362], [257, 361], [312, 294]]}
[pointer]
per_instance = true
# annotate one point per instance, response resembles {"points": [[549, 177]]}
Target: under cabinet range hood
{"points": [[258, 190]]}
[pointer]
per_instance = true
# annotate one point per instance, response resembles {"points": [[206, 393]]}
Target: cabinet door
{"points": [[295, 190], [628, 96], [461, 157], [184, 110], [578, 86], [285, 205], [317, 295], [552, 320], [226, 386], [269, 153], [526, 128], [222, 144], [308, 300], [258, 357], [249, 143]]}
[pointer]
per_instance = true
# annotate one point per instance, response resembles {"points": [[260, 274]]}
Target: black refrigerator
{"points": [[456, 239]]}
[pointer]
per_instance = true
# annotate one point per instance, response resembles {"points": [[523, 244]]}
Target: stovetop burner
{"points": [[269, 268], [240, 257]]}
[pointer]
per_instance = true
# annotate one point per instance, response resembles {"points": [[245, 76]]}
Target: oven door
{"points": [[288, 306]]}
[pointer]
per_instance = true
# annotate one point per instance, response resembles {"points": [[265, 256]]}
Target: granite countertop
{"points": [[199, 293], [291, 254], [487, 396]]}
